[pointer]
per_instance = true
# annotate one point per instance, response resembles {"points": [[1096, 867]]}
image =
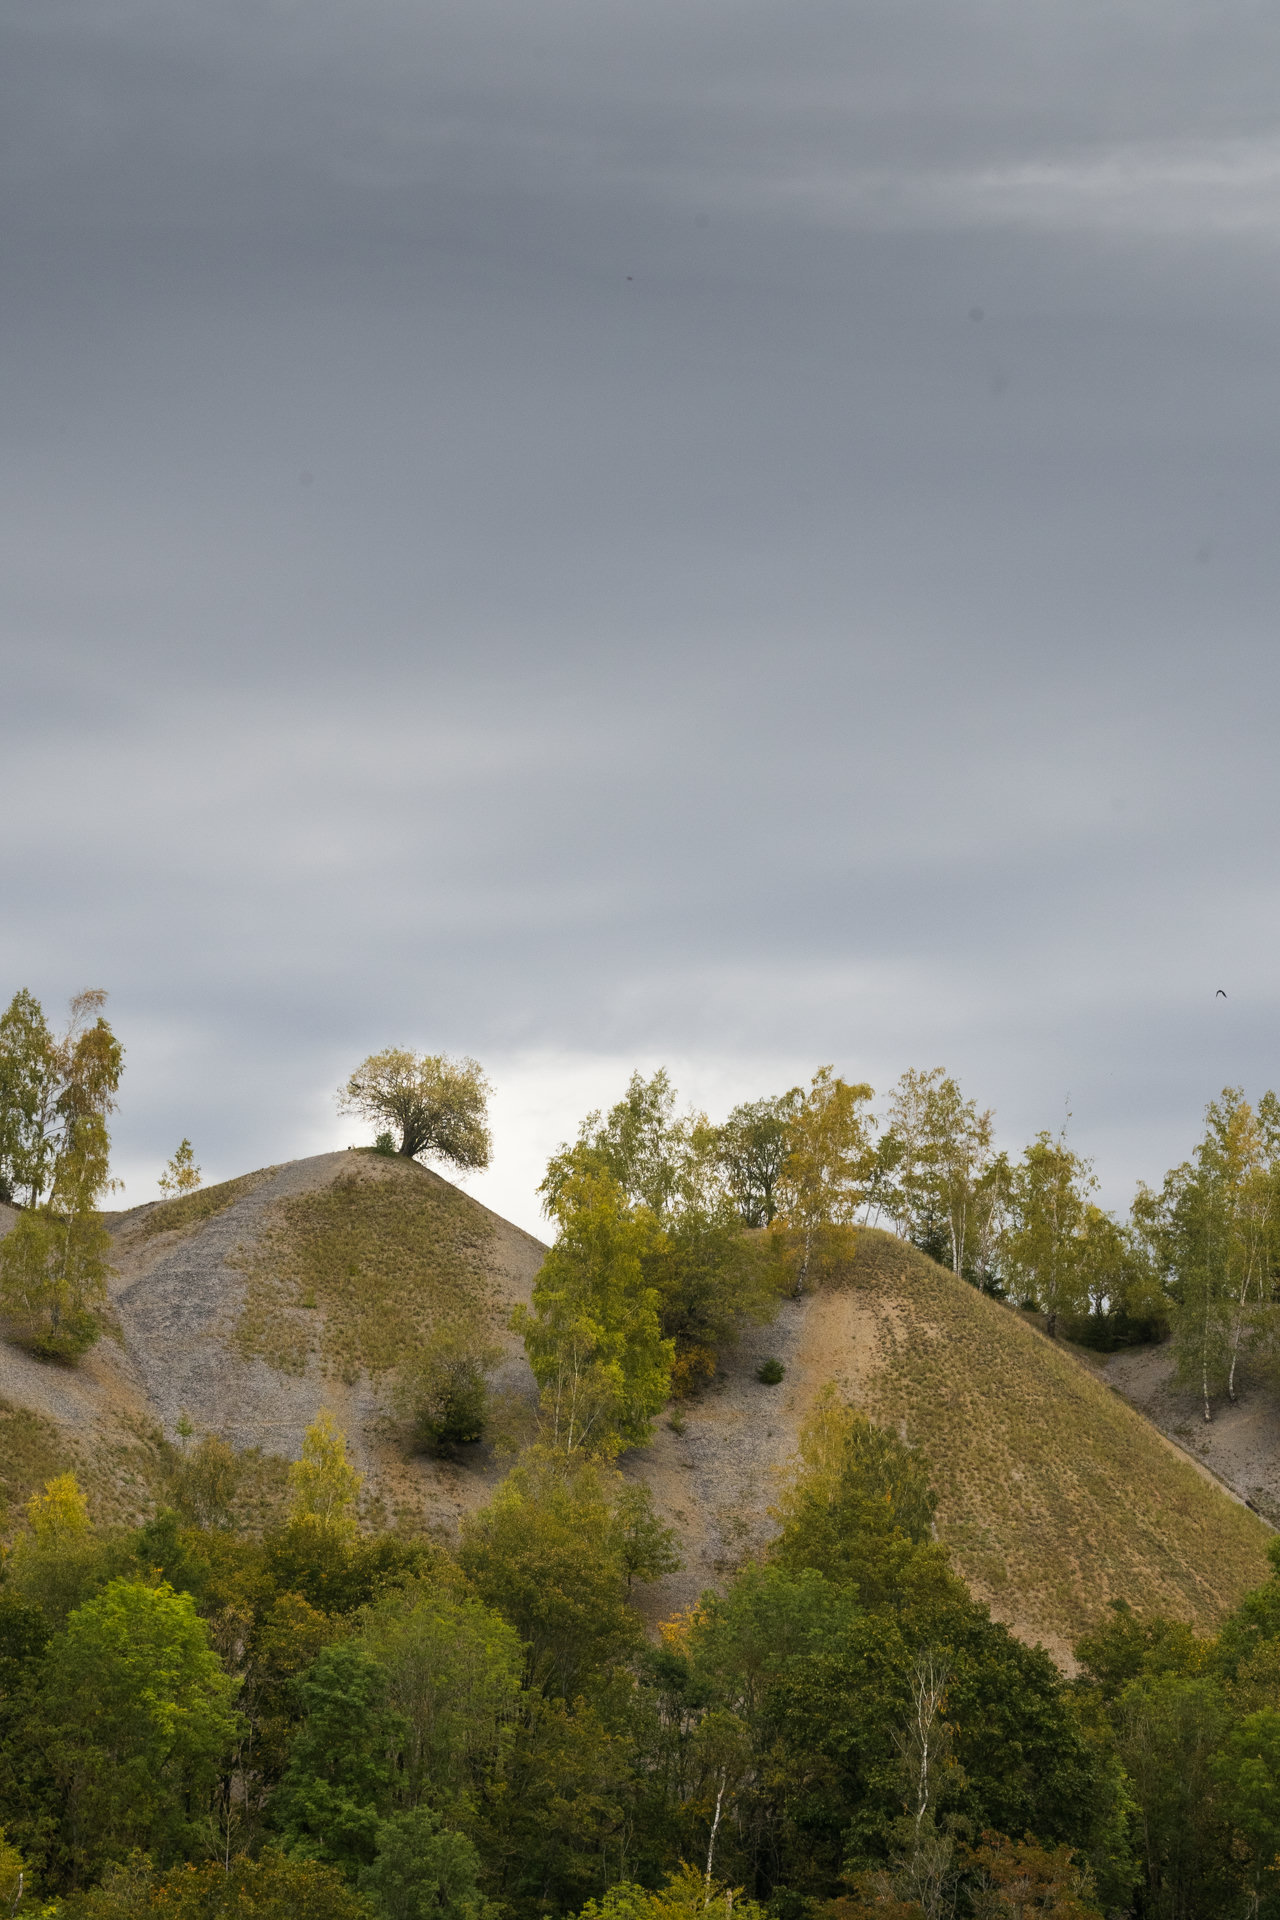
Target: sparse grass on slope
{"points": [[1055, 1496], [360, 1272], [32, 1450], [191, 1210]]}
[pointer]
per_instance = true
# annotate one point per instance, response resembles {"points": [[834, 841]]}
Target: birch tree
{"points": [[946, 1155], [1213, 1229], [1044, 1247], [825, 1171], [593, 1332], [53, 1263], [28, 1099]]}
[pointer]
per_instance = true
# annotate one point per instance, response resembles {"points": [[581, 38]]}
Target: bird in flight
{"points": [[1221, 994]]}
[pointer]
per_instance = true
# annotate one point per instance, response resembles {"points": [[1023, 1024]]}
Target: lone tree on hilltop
{"points": [[438, 1104]]}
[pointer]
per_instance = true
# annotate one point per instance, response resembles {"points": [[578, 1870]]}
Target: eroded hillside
{"points": [[1055, 1496], [241, 1310]]}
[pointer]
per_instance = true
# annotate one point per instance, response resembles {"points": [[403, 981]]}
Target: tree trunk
{"points": [[804, 1264], [711, 1848]]}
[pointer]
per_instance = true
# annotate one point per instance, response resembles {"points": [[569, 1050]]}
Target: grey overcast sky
{"points": [[602, 532]]}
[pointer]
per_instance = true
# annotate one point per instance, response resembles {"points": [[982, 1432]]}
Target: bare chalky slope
{"points": [[241, 1310], [248, 1307]]}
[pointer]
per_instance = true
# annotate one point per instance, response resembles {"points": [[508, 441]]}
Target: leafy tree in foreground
{"points": [[439, 1105], [269, 1888], [337, 1788], [453, 1671], [556, 1553], [135, 1718], [422, 1871], [593, 1333]]}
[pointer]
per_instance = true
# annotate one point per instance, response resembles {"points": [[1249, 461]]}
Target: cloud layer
{"points": [[602, 534]]}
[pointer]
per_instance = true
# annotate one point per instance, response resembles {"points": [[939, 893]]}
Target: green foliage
{"points": [[57, 1560], [860, 1509], [337, 1788], [651, 1273], [687, 1895], [134, 1721], [823, 1176], [323, 1486], [453, 1672], [939, 1173], [556, 1553], [438, 1104], [1246, 1773], [337, 1570], [1045, 1246], [443, 1388], [272, 1887], [554, 1828], [28, 1099], [1126, 1305], [1168, 1729], [17, 1885], [711, 1279], [422, 1871], [851, 1730], [752, 1148], [1214, 1231], [54, 1142], [593, 1334], [1130, 1646], [661, 1161], [770, 1372], [53, 1281], [181, 1174], [203, 1484]]}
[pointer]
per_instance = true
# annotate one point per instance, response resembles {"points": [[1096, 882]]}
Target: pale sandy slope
{"points": [[1240, 1445]]}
